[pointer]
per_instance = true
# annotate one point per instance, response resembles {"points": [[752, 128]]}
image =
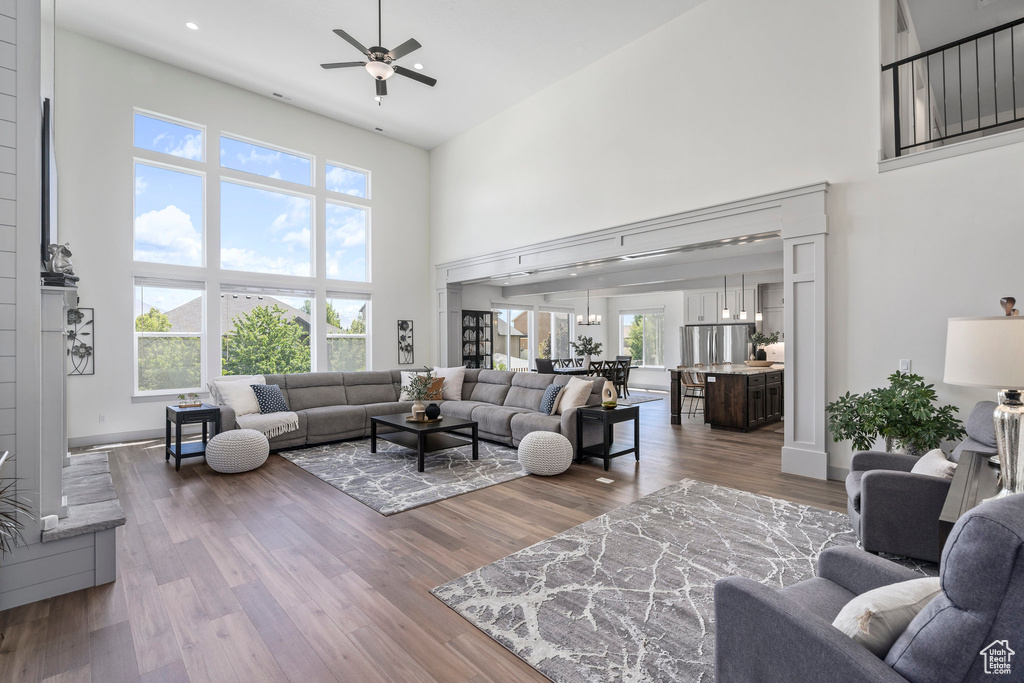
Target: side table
{"points": [[976, 479], [607, 418], [179, 417]]}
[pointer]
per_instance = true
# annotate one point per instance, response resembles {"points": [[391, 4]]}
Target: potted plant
{"points": [[904, 414], [585, 346], [12, 509], [759, 340], [419, 389]]}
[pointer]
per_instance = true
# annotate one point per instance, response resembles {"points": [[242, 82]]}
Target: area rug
{"points": [[387, 480], [628, 596], [635, 399]]}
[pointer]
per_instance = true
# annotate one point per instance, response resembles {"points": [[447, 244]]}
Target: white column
{"points": [[804, 232], [449, 325], [53, 398]]}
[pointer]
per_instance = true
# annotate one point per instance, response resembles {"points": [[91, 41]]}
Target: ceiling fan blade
{"points": [[342, 65], [414, 75], [405, 48], [382, 87], [352, 41]]}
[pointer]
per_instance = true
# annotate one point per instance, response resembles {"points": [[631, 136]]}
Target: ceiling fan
{"points": [[381, 64]]}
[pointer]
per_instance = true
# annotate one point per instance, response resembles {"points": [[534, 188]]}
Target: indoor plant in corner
{"points": [[904, 414], [585, 346], [11, 510]]}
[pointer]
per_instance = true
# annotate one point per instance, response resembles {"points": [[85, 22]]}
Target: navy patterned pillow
{"points": [[547, 403], [270, 398]]}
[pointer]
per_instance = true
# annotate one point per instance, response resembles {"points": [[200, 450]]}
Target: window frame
{"points": [[643, 313], [367, 239], [348, 296], [170, 283], [311, 158], [176, 121]]}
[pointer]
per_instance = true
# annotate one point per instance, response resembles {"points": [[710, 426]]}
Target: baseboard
{"points": [[121, 437], [804, 462], [838, 473]]}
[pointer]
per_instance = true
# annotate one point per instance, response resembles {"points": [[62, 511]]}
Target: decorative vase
{"points": [[433, 411], [586, 361], [608, 395], [761, 355], [418, 411]]}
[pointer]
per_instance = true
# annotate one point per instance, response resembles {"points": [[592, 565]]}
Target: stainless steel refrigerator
{"points": [[714, 344]]}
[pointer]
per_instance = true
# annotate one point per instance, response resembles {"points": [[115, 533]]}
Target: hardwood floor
{"points": [[274, 575]]}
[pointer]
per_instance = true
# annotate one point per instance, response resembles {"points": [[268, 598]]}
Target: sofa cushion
{"points": [[315, 390], [853, 487], [496, 420], [527, 390], [369, 387], [391, 408], [335, 421], [460, 409], [469, 383], [524, 423], [296, 437], [492, 386], [820, 596]]}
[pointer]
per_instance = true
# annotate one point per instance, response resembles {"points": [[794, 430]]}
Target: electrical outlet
{"points": [[905, 365], [103, 418]]}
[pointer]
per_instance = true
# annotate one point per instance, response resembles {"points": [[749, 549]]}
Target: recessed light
{"points": [[192, 25], [573, 274], [508, 283], [417, 66]]}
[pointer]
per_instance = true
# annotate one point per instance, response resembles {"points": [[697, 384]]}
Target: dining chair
{"points": [[545, 366], [625, 379], [577, 362]]}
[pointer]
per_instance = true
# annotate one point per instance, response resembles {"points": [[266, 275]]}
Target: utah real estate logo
{"points": [[997, 656]]}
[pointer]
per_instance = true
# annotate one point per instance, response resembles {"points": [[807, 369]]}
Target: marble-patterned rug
{"points": [[628, 596], [387, 480], [637, 398]]}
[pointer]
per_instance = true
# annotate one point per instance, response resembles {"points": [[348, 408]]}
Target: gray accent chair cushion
{"points": [[981, 431], [314, 390], [369, 387]]}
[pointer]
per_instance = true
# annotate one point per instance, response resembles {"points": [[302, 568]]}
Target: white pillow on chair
{"points": [[934, 464]]}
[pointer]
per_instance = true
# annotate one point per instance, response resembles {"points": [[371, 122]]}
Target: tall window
{"points": [[170, 327], [553, 334], [265, 333], [346, 333], [285, 314], [642, 337], [511, 339]]}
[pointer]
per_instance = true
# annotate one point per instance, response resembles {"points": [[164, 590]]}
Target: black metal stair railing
{"points": [[965, 87]]}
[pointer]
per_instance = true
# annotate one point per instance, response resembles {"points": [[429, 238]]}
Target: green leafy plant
{"points": [[12, 509], [760, 339], [585, 346], [904, 414], [419, 385]]}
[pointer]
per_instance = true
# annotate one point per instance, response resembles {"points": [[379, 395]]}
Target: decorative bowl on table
{"points": [[760, 363]]}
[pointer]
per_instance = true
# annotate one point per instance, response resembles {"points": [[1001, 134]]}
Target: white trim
{"points": [[642, 311], [955, 149]]}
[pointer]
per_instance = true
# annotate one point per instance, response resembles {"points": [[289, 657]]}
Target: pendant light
{"points": [[757, 305], [725, 297], [591, 319], [743, 293]]}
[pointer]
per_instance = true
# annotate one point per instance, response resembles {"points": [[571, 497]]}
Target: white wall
{"points": [[97, 87], [748, 98]]}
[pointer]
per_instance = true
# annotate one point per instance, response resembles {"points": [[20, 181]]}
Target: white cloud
{"points": [[140, 185], [168, 236], [296, 215], [344, 180], [299, 237], [191, 147], [236, 258]]}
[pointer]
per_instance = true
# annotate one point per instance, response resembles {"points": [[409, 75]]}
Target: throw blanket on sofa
{"points": [[270, 424]]}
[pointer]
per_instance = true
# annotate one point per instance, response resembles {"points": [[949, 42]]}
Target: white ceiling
{"points": [[486, 54], [938, 22]]}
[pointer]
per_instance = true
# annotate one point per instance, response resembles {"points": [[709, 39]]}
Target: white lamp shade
{"points": [[985, 352], [380, 70]]}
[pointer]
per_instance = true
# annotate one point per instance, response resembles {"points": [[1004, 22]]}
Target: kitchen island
{"points": [[736, 397]]}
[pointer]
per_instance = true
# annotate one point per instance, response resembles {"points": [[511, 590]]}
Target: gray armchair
{"points": [[895, 511], [764, 635]]}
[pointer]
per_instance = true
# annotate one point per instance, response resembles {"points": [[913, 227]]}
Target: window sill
{"points": [[160, 397], [956, 149]]}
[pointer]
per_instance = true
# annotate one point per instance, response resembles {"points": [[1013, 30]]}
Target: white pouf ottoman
{"points": [[237, 450], [545, 453]]}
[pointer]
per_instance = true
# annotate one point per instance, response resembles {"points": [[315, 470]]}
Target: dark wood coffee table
{"points": [[424, 437], [976, 479]]}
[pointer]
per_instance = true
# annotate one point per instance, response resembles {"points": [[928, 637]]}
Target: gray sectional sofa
{"points": [[333, 406]]}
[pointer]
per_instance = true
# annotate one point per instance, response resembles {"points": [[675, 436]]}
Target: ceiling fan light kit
{"points": [[380, 61]]}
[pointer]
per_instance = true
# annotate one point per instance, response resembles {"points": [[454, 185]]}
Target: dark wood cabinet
{"points": [[477, 327], [743, 401]]}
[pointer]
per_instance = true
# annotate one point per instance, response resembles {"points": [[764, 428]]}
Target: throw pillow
{"points": [[575, 394], [453, 381], [877, 618], [434, 394], [934, 464], [214, 384], [270, 398], [550, 398], [239, 397]]}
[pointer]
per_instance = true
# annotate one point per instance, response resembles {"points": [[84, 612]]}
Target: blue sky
{"points": [[168, 216], [346, 242], [263, 231], [347, 181], [168, 138], [245, 156]]}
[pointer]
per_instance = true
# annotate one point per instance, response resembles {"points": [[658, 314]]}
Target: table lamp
{"points": [[989, 352]]}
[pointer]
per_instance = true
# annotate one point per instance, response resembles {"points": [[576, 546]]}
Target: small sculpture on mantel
{"points": [[1008, 303], [59, 269]]}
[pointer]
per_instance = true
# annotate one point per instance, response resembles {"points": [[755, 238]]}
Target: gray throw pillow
{"points": [[550, 398]]}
